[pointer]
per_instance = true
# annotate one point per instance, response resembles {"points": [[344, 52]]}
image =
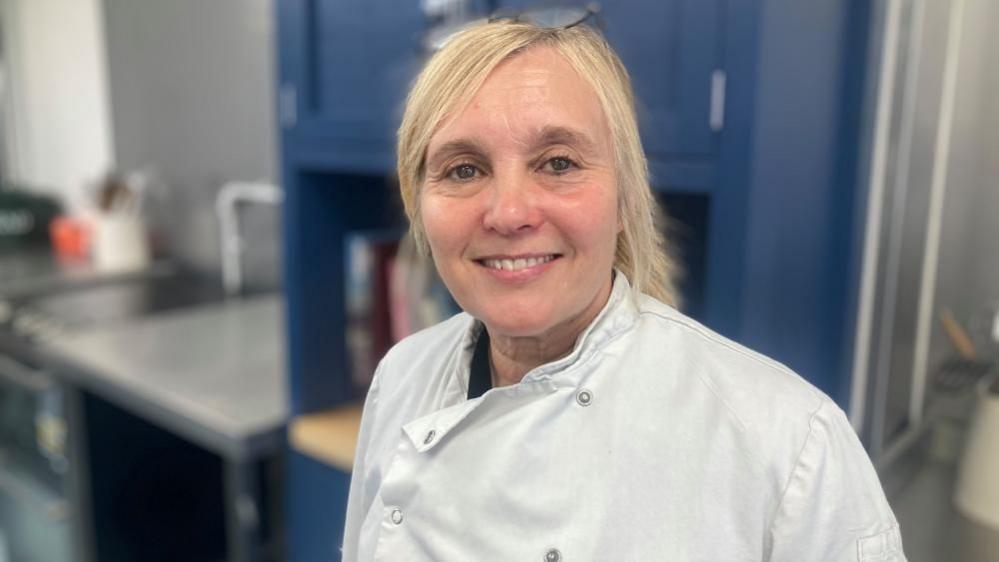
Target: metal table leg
{"points": [[78, 483], [242, 507]]}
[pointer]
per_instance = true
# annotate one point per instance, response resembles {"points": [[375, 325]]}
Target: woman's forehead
{"points": [[525, 99]]}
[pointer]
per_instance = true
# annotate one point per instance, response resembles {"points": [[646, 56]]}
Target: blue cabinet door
{"points": [[670, 48], [345, 67], [317, 505]]}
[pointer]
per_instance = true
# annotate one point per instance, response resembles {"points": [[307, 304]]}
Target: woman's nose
{"points": [[512, 204]]}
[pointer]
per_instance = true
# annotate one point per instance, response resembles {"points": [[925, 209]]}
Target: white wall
{"points": [[192, 86], [58, 114]]}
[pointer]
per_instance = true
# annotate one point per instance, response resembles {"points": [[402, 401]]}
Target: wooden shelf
{"points": [[329, 436]]}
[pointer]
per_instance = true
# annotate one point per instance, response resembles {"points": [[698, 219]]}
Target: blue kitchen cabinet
{"points": [[321, 208], [344, 68], [672, 50], [316, 520]]}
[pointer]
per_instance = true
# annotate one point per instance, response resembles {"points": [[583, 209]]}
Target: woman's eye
{"points": [[463, 172], [560, 164]]}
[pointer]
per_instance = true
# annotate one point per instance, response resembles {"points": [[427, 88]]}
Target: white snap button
{"points": [[397, 516], [584, 397], [429, 437], [553, 555]]}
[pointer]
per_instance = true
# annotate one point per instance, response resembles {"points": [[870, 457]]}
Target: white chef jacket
{"points": [[654, 439]]}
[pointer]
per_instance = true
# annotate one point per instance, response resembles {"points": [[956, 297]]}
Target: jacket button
{"points": [[553, 555], [397, 516], [584, 397]]}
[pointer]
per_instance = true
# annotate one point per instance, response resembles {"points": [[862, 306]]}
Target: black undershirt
{"points": [[480, 378]]}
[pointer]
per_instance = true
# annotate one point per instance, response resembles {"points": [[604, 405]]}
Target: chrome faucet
{"points": [[227, 203]]}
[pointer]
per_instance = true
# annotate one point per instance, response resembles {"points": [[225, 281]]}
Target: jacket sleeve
{"points": [[833, 508], [362, 492]]}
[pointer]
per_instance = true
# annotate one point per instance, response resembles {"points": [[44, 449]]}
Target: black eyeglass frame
{"points": [[589, 11]]}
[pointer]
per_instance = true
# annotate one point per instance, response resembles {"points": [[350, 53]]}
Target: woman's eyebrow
{"points": [[451, 147], [550, 135]]}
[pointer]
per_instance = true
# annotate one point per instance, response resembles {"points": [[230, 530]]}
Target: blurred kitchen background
{"points": [[202, 253]]}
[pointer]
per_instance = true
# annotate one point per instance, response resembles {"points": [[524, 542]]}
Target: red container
{"points": [[70, 237]]}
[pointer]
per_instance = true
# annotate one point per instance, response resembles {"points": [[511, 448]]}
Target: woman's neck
{"points": [[512, 357]]}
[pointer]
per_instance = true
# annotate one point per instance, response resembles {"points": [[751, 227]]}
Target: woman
{"points": [[570, 413]]}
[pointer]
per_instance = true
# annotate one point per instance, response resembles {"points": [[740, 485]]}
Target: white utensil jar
{"points": [[120, 243], [976, 494]]}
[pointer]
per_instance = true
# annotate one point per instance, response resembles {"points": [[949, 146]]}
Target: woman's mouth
{"points": [[518, 263]]}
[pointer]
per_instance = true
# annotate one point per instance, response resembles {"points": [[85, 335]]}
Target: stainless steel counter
{"points": [[213, 375], [164, 346], [36, 270]]}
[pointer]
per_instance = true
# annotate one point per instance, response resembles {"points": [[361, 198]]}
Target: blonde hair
{"points": [[455, 73]]}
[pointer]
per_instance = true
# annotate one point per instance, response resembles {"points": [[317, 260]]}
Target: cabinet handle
{"points": [[288, 106], [716, 118]]}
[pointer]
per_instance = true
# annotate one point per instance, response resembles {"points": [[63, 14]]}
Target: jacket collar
{"points": [[617, 316]]}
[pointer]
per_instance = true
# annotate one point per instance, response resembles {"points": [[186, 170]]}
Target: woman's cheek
{"points": [[430, 216], [441, 222]]}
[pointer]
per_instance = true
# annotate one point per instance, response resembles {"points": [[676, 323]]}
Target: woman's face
{"points": [[519, 202]]}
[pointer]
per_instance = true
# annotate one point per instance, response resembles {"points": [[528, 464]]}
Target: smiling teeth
{"points": [[517, 264]]}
